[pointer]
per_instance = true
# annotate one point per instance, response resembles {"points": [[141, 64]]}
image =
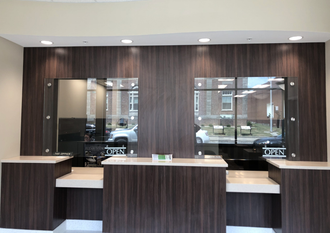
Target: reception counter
{"points": [[29, 199], [183, 195], [305, 195]]}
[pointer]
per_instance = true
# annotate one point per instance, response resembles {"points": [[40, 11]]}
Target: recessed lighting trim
{"points": [[46, 42], [294, 38], [204, 40], [126, 41]]}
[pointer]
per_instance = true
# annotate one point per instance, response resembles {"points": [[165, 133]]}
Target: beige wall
{"points": [[161, 17], [11, 76], [72, 97], [327, 60]]}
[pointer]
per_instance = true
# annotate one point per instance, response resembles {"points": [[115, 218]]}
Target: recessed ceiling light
{"points": [[46, 42], [204, 40], [126, 41], [295, 38]]}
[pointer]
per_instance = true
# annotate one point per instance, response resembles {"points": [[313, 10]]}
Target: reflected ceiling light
{"points": [[132, 117], [199, 84], [239, 96], [109, 83], [121, 85], [248, 92], [133, 84], [199, 118], [225, 79], [275, 79], [222, 86], [126, 41], [46, 42], [204, 40], [294, 38], [261, 86]]}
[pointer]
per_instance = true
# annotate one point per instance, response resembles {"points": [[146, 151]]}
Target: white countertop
{"points": [[36, 159], [305, 165], [82, 177], [182, 162], [239, 181]]}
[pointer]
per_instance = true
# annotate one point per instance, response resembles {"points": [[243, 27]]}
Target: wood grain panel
{"points": [[28, 200], [250, 209], [84, 204], [166, 76], [274, 173], [27, 196], [305, 201], [164, 199], [166, 101]]}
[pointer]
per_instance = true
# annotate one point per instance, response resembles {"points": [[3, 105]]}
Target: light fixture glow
{"points": [[276, 79], [46, 42], [199, 84], [239, 96], [222, 86], [225, 79], [261, 86], [199, 118], [109, 83], [204, 40], [295, 38], [248, 92], [126, 41]]}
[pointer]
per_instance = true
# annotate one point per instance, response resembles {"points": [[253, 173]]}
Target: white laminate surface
{"points": [[82, 177], [251, 182], [175, 162], [36, 159], [306, 165]]}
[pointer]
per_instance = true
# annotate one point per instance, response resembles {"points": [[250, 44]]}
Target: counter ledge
{"points": [[182, 162]]}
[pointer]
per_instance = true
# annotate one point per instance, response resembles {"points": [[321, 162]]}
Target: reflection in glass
{"points": [[91, 111], [240, 115]]}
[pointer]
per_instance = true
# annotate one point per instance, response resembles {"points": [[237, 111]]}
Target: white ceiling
{"points": [[223, 37]]}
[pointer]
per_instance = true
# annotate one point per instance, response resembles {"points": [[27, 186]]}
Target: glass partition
{"points": [[95, 118], [239, 117]]}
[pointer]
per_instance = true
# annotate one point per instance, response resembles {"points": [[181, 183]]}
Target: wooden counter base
{"points": [[164, 199]]}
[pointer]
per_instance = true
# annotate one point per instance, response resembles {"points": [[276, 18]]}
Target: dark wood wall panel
{"points": [[143, 199], [305, 201], [250, 209], [166, 112], [166, 85], [84, 204]]}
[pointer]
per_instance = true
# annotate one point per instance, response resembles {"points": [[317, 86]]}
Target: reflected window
{"points": [[134, 99], [196, 101], [227, 100], [240, 116]]}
